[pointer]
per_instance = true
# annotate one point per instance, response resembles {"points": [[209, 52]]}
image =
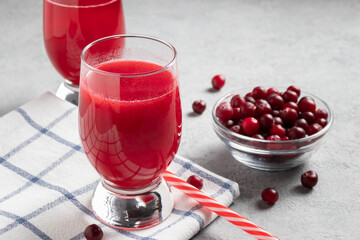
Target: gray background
{"points": [[314, 44]]}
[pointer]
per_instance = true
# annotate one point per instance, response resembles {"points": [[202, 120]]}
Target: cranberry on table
{"points": [[199, 106], [93, 232], [270, 195], [196, 181], [218, 82], [224, 111], [307, 104], [309, 179], [250, 126]]}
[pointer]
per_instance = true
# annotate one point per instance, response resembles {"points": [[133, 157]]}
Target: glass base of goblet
{"points": [[138, 209], [68, 92]]}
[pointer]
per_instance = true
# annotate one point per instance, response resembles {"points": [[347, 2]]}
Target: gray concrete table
{"points": [[312, 44]]}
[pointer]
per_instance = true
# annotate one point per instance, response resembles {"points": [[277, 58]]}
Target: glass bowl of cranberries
{"points": [[269, 129]]}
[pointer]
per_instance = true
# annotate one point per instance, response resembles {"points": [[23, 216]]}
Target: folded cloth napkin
{"points": [[46, 182]]}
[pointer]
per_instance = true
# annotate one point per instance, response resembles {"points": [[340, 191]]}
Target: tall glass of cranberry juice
{"points": [[70, 25], [130, 126]]}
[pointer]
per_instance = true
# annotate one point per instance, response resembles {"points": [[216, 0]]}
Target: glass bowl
{"points": [[270, 155]]}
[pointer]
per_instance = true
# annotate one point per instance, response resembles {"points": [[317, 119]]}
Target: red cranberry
{"points": [[309, 179], [296, 133], [259, 93], [275, 101], [308, 116], [301, 122], [250, 126], [307, 104], [270, 195], [195, 181], [264, 134], [313, 128], [249, 94], [250, 99], [289, 115], [321, 121], [258, 136], [321, 113], [248, 109], [278, 121], [224, 111], [236, 114], [290, 96], [237, 100], [278, 130], [199, 106], [224, 123], [276, 113], [262, 108], [285, 138], [236, 129], [291, 105], [229, 123], [218, 82], [260, 101], [273, 138], [271, 91], [267, 121], [294, 89], [93, 232]]}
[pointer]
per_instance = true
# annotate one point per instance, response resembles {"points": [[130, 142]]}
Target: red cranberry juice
{"points": [[69, 28], [130, 128]]}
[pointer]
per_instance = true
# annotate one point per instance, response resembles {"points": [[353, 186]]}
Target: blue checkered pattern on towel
{"points": [[46, 182]]}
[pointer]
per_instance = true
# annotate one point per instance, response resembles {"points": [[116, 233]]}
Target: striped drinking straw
{"points": [[218, 208]]}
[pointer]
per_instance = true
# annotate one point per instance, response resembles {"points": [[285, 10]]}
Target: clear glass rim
{"points": [[247, 138], [75, 6], [163, 68]]}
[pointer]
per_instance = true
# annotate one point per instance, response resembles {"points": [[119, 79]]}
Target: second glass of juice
{"points": [[70, 25], [130, 126]]}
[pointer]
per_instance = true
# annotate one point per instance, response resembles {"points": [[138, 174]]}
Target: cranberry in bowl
{"points": [[270, 129]]}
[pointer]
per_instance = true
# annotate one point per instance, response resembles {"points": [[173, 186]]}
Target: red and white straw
{"points": [[218, 208]]}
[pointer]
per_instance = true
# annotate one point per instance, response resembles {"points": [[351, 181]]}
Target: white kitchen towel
{"points": [[46, 182]]}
